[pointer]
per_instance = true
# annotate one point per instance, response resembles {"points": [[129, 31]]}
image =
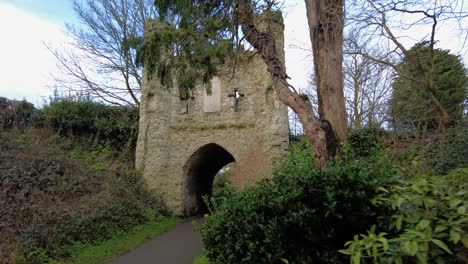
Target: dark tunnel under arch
{"points": [[200, 170]]}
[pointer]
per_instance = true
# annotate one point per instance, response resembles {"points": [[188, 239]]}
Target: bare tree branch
{"points": [[105, 44]]}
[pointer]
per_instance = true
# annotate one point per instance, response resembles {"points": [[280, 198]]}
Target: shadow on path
{"points": [[177, 246]]}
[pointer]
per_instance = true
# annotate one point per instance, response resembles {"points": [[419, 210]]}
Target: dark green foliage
{"points": [[70, 116], [451, 152], [303, 214], [130, 177], [411, 105], [191, 37], [114, 126], [222, 191], [363, 141], [102, 221], [16, 114], [118, 127], [429, 225]]}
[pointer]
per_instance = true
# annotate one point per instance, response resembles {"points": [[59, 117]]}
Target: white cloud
{"points": [[25, 63], [298, 60]]}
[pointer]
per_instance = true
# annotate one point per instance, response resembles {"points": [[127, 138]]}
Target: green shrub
{"points": [[130, 177], [115, 127], [103, 222], [70, 116], [99, 166], [16, 114], [36, 256], [107, 220], [364, 140], [118, 126], [202, 259], [450, 153], [75, 154], [222, 191], [429, 225], [24, 140], [303, 215], [6, 115]]}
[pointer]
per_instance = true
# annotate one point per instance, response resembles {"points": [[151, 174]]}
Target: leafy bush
{"points": [[118, 126], [429, 226], [130, 177], [71, 116], [364, 140], [103, 221], [450, 153], [113, 126], [24, 140], [222, 191], [16, 114], [303, 215]]}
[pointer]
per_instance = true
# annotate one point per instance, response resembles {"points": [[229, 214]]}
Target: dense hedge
{"points": [[364, 140], [450, 152], [16, 114], [113, 126], [303, 215], [118, 127]]}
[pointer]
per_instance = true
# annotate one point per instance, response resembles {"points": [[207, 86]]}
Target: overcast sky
{"points": [[26, 65]]}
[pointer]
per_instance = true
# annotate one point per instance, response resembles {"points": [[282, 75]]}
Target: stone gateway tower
{"points": [[184, 141]]}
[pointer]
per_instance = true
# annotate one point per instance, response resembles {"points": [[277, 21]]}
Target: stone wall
{"points": [[172, 130]]}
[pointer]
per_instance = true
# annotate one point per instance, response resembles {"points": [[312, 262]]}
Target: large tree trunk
{"points": [[319, 133], [326, 20]]}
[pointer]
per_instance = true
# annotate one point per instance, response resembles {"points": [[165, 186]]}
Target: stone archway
{"points": [[176, 150], [200, 171]]}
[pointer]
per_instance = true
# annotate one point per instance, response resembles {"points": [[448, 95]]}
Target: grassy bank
{"points": [[65, 200], [110, 249], [202, 259]]}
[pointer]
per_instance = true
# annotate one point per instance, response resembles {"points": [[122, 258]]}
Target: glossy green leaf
{"points": [[454, 202], [454, 236], [356, 259], [442, 245], [423, 224], [464, 240], [461, 210], [409, 247]]}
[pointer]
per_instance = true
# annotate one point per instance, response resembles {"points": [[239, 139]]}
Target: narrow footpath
{"points": [[177, 246]]}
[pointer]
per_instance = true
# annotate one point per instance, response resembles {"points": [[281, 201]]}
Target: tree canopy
{"points": [[411, 104], [102, 60], [190, 40]]}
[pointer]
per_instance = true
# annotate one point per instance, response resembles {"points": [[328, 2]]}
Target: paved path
{"points": [[177, 246]]}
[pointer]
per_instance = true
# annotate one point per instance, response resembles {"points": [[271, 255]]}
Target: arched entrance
{"points": [[200, 171]]}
